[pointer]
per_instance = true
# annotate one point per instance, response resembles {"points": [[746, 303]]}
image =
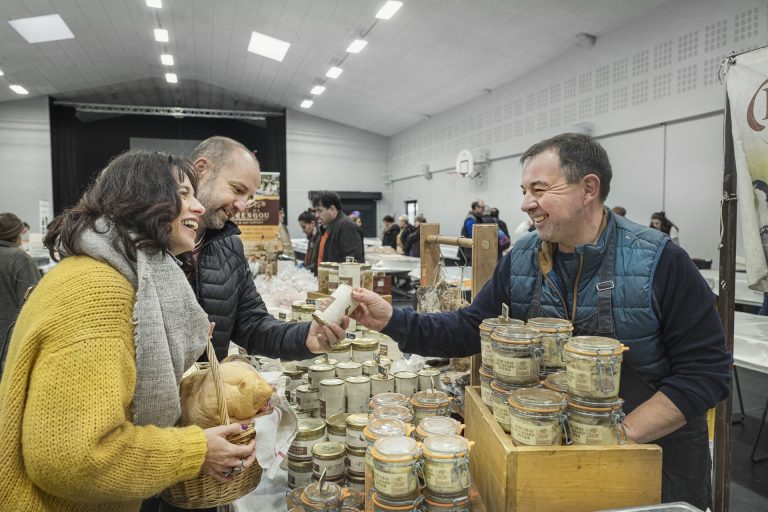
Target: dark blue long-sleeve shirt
{"points": [[694, 343]]}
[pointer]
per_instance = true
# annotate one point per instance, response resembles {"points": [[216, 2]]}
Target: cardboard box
{"points": [[556, 478]]}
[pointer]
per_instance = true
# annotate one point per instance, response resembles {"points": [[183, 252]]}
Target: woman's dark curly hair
{"points": [[139, 192]]}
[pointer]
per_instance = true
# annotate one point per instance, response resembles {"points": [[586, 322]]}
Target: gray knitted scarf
{"points": [[171, 329]]}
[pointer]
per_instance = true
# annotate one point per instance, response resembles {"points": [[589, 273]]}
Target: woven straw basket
{"points": [[204, 491]]}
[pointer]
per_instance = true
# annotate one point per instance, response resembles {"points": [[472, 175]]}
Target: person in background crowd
{"points": [[89, 399], [660, 221], [494, 214], [341, 237], [657, 304], [18, 272], [391, 230], [406, 228], [355, 217], [309, 228], [285, 237], [413, 244], [619, 210], [475, 216]]}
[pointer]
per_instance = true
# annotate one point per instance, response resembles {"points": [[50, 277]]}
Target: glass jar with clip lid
{"points": [[486, 328], [446, 465], [537, 417], [596, 422], [593, 364], [517, 353], [555, 333]]}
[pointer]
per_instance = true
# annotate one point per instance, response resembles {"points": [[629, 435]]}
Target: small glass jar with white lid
{"points": [[517, 353], [536, 416], [446, 464], [396, 467]]}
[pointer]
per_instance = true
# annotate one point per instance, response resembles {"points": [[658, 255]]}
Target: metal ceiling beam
{"points": [[178, 112]]}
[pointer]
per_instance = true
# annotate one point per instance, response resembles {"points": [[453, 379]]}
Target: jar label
{"points": [[584, 379], [308, 402], [501, 413], [486, 352], [356, 464], [394, 484], [446, 477], [332, 468], [536, 432], [553, 351], [487, 395], [582, 433], [383, 349], [356, 439], [514, 366]]}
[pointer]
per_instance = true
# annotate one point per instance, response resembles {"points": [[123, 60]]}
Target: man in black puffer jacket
{"points": [[222, 280]]}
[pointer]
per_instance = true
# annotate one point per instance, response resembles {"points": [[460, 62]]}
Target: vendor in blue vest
{"points": [[610, 277]]}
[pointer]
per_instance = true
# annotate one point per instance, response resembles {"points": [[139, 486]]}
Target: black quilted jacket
{"points": [[224, 288]]}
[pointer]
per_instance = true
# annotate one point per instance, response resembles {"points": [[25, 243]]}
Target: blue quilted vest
{"points": [[615, 290]]}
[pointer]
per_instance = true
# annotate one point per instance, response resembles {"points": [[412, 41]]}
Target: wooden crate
{"points": [[556, 478]]}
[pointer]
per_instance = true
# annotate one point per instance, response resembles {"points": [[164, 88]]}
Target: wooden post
{"points": [[485, 254], [430, 253], [725, 307]]}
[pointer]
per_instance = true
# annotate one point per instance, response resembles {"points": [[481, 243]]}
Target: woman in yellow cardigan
{"points": [[89, 395]]}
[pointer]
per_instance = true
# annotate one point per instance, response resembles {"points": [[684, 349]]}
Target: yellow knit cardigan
{"points": [[66, 438]]}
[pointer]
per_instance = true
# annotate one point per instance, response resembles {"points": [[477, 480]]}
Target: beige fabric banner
{"points": [[747, 86]]}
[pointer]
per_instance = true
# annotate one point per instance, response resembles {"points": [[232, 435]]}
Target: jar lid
{"points": [[486, 372], [353, 477], [429, 372], [364, 344], [298, 303], [293, 373], [385, 361], [386, 427], [430, 398], [549, 325], [403, 505], [300, 464], [370, 362], [598, 406], [445, 444], [366, 266], [388, 399], [489, 324], [405, 375], [503, 387], [338, 421], [305, 388], [348, 365], [321, 367], [358, 379], [310, 428], [328, 450], [438, 425], [334, 264], [357, 421], [333, 381], [397, 446], [309, 308], [396, 412], [516, 335], [326, 264], [448, 503], [594, 346], [314, 493], [536, 400], [557, 381], [378, 376], [341, 346]]}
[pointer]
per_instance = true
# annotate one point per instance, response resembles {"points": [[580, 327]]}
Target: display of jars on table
{"points": [[486, 328], [555, 333], [593, 365], [517, 353], [536, 416]]}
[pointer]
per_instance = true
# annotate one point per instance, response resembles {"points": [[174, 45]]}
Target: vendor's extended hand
{"points": [[222, 455], [373, 311], [320, 338]]}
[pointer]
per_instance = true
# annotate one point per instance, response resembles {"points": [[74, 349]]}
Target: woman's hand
{"points": [[224, 459]]}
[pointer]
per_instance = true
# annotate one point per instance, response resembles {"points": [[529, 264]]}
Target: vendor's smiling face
{"points": [[555, 206]]}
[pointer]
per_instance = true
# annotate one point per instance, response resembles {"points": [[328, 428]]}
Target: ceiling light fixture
{"points": [[1, 72], [388, 10], [161, 35], [19, 89], [268, 47], [42, 29], [171, 78], [166, 59], [357, 46], [334, 72], [157, 4], [317, 90], [307, 103]]}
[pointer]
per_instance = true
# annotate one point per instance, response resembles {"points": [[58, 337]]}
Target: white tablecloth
{"points": [[750, 341]]}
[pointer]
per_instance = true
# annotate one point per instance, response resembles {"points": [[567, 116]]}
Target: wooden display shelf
{"points": [[556, 478]]}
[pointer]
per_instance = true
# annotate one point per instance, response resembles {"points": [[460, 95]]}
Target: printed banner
{"points": [[747, 86], [258, 224]]}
